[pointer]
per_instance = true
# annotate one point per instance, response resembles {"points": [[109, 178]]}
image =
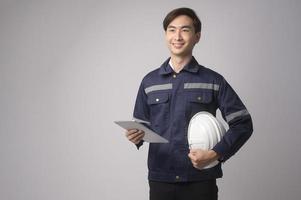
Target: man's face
{"points": [[181, 37]]}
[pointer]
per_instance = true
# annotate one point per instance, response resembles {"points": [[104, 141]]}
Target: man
{"points": [[168, 97]]}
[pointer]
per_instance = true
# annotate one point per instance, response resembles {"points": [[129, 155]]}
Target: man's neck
{"points": [[178, 63]]}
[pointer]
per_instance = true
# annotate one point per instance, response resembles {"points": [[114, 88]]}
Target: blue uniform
{"points": [[168, 100]]}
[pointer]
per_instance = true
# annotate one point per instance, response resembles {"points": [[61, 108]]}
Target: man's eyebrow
{"points": [[181, 27]]}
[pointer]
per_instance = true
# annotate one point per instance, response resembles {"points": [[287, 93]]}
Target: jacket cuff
{"points": [[221, 151]]}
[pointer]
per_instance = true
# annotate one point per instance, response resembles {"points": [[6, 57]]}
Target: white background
{"points": [[68, 69]]}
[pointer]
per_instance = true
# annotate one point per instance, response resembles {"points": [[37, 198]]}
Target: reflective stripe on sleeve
{"points": [[201, 86], [236, 114], [158, 88]]}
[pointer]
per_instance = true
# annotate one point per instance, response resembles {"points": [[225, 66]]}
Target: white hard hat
{"points": [[204, 132]]}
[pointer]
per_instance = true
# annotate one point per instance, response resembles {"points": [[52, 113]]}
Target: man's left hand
{"points": [[201, 158]]}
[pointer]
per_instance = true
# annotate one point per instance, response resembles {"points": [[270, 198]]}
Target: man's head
{"points": [[182, 31], [183, 11]]}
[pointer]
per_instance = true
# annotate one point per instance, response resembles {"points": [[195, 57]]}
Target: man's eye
{"points": [[171, 30], [186, 30]]}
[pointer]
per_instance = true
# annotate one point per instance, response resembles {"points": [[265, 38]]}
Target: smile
{"points": [[178, 45]]}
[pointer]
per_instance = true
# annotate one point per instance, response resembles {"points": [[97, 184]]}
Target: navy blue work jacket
{"points": [[168, 100]]}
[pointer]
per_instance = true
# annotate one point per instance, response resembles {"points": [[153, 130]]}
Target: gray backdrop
{"points": [[70, 68]]}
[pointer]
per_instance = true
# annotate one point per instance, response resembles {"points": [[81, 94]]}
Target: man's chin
{"points": [[177, 51], [180, 53]]}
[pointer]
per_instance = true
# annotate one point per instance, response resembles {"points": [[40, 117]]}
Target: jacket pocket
{"points": [[159, 104], [159, 98], [201, 98], [199, 101]]}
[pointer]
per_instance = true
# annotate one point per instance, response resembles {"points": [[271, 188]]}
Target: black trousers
{"points": [[203, 190]]}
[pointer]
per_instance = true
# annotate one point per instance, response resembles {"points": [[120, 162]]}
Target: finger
{"points": [[194, 162], [137, 139], [137, 136], [131, 131], [195, 151], [192, 151], [197, 166], [132, 136], [141, 135], [140, 131], [192, 156]]}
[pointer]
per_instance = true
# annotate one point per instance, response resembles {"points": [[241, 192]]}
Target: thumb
{"points": [[193, 151], [191, 156]]}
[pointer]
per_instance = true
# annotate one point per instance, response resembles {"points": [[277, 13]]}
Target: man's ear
{"points": [[197, 37]]}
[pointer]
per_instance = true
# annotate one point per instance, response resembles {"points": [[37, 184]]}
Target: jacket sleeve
{"points": [[238, 118], [141, 110]]}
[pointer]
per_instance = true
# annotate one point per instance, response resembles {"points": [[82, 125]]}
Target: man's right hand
{"points": [[134, 135]]}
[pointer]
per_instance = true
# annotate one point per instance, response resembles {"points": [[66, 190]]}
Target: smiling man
{"points": [[181, 37], [168, 97]]}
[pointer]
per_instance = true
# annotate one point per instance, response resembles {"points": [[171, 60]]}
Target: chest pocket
{"points": [[159, 104], [199, 101], [201, 98], [159, 98]]}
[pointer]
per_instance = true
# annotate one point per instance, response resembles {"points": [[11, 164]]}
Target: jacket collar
{"points": [[192, 66]]}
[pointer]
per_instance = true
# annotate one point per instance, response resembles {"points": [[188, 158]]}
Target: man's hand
{"points": [[134, 135], [201, 158]]}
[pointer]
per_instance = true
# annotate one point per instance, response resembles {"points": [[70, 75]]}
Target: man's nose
{"points": [[178, 35]]}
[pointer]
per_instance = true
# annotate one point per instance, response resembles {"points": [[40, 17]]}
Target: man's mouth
{"points": [[178, 45]]}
